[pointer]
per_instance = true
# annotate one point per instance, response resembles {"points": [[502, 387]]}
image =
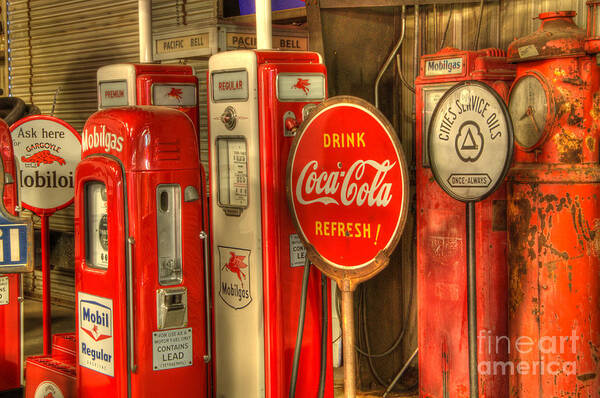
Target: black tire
{"points": [[16, 107], [31, 110]]}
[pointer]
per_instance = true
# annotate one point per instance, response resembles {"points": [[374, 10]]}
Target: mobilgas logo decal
{"points": [[47, 389], [448, 66], [100, 138], [234, 280], [96, 338]]}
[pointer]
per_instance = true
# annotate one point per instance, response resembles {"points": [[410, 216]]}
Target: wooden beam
{"points": [[315, 27], [385, 3]]}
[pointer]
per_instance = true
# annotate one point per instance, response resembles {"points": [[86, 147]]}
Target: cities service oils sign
{"points": [[348, 188]]}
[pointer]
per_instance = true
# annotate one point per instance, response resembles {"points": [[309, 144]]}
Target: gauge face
{"points": [[528, 107]]}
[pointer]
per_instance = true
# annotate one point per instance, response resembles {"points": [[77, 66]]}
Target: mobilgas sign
{"points": [[448, 66], [47, 150], [96, 339], [470, 141]]}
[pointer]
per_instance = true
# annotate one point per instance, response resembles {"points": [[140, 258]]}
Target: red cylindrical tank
{"points": [[554, 214]]}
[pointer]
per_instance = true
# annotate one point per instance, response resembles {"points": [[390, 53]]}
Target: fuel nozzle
{"points": [[292, 124]]}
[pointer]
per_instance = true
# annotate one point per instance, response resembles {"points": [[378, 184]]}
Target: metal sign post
{"points": [[347, 186], [470, 150], [47, 151]]}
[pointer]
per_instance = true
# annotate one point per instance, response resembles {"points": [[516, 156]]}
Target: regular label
{"points": [[297, 251], [96, 339], [172, 349], [300, 87], [230, 86], [4, 292]]}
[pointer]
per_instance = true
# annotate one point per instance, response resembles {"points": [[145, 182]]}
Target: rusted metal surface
{"points": [[554, 232], [442, 253], [557, 37]]}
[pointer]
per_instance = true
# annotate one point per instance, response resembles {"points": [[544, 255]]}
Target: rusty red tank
{"points": [[554, 214]]}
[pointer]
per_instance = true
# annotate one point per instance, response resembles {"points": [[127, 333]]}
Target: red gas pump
{"points": [[256, 101], [140, 252], [11, 307], [553, 210], [173, 86], [441, 243]]}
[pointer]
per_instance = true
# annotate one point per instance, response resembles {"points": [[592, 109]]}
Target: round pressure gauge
{"points": [[529, 108]]}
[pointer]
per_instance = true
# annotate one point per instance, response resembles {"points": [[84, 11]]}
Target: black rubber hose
{"points": [[300, 332], [324, 331], [16, 107], [32, 110]]}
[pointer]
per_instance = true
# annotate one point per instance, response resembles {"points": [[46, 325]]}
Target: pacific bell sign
{"points": [[47, 150]]}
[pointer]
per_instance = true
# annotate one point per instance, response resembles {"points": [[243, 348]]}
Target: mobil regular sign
{"points": [[47, 150], [348, 188]]}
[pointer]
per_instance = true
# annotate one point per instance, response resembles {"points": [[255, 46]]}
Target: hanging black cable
{"points": [[300, 331], [324, 332]]}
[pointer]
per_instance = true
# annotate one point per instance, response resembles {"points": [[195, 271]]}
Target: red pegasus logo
{"points": [[302, 84], [175, 93], [49, 395], [45, 157], [235, 265]]}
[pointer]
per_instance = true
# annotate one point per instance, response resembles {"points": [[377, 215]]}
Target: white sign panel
{"points": [[470, 141], [300, 87], [48, 389], [172, 349], [48, 151], [234, 277], [297, 251], [230, 86], [174, 95], [448, 66], [4, 292], [96, 337], [113, 94]]}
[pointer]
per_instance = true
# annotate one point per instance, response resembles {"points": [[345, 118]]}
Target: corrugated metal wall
{"points": [[55, 48]]}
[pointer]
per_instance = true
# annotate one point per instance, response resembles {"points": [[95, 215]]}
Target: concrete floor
{"points": [[63, 321]]}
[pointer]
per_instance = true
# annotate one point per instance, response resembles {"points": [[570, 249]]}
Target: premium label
{"points": [[113, 94]]}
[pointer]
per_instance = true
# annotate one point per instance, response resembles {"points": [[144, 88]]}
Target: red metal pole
{"points": [[47, 314]]}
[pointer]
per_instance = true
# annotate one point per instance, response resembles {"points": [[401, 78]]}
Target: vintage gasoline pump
{"points": [[441, 243], [553, 210], [11, 290], [141, 257], [173, 86], [257, 99]]}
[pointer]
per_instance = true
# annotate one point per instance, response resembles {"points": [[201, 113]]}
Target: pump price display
{"points": [[47, 151], [470, 141], [347, 185]]}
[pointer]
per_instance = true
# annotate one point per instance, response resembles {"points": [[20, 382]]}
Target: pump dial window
{"points": [[96, 225], [529, 109], [232, 173]]}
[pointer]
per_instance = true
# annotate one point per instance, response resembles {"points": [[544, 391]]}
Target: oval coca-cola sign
{"points": [[347, 185]]}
